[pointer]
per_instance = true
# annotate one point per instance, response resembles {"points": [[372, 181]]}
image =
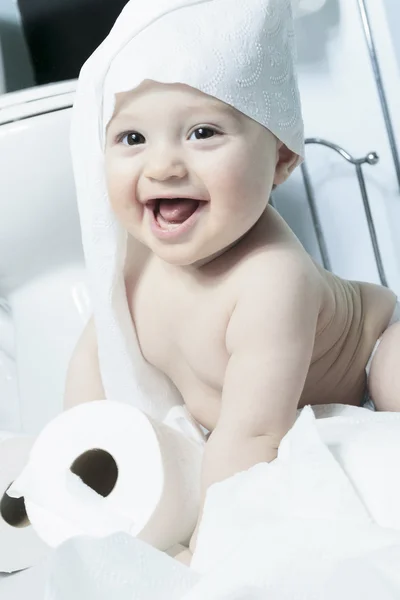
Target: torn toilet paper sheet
{"points": [[123, 568], [284, 530], [117, 567]]}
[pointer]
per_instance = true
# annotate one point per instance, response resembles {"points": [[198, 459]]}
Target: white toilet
{"points": [[43, 296]]}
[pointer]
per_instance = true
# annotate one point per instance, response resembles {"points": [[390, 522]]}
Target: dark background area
{"points": [[61, 34]]}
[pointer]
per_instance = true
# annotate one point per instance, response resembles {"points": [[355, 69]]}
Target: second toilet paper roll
{"points": [[103, 467], [20, 547]]}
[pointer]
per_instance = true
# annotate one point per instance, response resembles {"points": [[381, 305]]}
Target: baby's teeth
{"points": [[165, 225]]}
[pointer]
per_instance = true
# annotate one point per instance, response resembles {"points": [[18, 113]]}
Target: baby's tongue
{"points": [[177, 210]]}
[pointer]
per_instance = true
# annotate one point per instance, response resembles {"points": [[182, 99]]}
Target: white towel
{"points": [[241, 53]]}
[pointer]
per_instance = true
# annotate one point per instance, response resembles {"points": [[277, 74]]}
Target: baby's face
{"points": [[170, 141]]}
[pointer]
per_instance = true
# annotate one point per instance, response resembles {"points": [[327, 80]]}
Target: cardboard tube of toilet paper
{"points": [[20, 546], [104, 467]]}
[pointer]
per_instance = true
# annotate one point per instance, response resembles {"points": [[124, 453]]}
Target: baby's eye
{"points": [[131, 138], [204, 133]]}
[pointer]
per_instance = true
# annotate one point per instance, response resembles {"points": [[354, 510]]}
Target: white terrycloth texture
{"points": [[294, 529], [240, 52]]}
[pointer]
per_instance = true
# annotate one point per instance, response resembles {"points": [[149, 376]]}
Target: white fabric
{"points": [[240, 52], [294, 528]]}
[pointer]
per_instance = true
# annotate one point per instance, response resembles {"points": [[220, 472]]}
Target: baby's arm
{"points": [[270, 340], [83, 381]]}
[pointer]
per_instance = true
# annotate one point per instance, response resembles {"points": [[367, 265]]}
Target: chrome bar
{"points": [[315, 218], [379, 83], [371, 159], [371, 226]]}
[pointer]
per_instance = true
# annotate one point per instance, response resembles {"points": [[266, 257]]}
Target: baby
{"points": [[224, 298]]}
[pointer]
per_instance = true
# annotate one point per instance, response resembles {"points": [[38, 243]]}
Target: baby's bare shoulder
{"points": [[273, 254], [279, 294]]}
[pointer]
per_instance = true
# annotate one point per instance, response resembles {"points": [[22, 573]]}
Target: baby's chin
{"points": [[183, 259], [179, 257]]}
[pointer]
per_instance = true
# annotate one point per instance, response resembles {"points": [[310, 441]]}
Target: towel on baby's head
{"points": [[241, 52]]}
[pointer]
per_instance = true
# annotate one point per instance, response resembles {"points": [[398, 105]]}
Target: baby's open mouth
{"points": [[171, 213]]}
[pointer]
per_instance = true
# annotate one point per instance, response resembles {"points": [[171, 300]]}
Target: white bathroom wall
{"points": [[341, 104], [392, 8]]}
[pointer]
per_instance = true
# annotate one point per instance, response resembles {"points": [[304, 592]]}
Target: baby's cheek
{"points": [[112, 182], [231, 178], [121, 189], [115, 196]]}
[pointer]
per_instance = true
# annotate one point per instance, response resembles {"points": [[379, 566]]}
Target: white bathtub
{"points": [[43, 298]]}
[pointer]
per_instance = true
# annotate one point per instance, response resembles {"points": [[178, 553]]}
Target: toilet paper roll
{"points": [[20, 546], [104, 467]]}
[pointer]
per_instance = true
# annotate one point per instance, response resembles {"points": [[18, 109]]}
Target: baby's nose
{"points": [[164, 164]]}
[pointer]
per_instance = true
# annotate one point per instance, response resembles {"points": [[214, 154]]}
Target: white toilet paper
{"points": [[141, 477], [20, 547], [292, 529], [117, 567], [306, 7]]}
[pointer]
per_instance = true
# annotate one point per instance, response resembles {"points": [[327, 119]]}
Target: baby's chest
{"points": [[182, 332]]}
